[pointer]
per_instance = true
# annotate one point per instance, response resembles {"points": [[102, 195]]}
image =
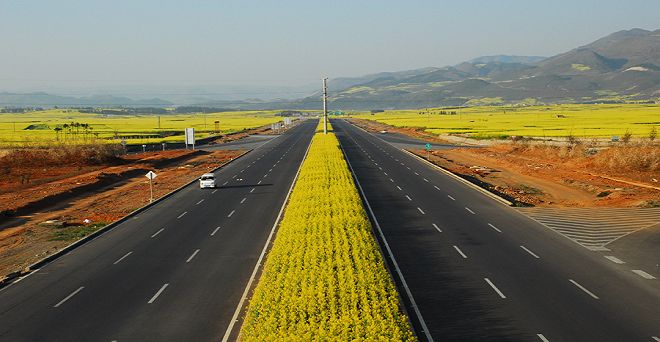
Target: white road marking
{"points": [[158, 232], [417, 174], [496, 229], [453, 199], [200, 201], [385, 173], [426, 180], [193, 255], [398, 187], [469, 210], [251, 191], [402, 164], [259, 182], [583, 289], [530, 252], [182, 215], [391, 180], [436, 227], [232, 213], [158, 293], [225, 183], [215, 231], [408, 167], [421, 211], [643, 274], [214, 191], [657, 339], [436, 187], [408, 197], [380, 168], [68, 297], [495, 288], [270, 170], [234, 176], [122, 258], [614, 259], [542, 338], [460, 252], [243, 200]]}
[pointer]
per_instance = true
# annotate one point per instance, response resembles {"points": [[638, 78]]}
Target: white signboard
{"points": [[151, 175], [190, 137], [287, 121]]}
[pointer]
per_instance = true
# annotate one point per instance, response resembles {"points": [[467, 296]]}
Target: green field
{"points": [[38, 128], [583, 121]]}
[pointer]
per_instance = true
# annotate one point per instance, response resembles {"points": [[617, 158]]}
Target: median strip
{"points": [[324, 276]]}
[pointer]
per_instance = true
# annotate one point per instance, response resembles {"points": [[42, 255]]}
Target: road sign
{"points": [[151, 175], [428, 146], [190, 137]]}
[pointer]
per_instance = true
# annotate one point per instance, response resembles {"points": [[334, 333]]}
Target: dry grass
{"points": [[637, 157], [61, 155]]}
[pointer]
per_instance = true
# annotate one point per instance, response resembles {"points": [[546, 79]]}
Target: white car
{"points": [[207, 180]]}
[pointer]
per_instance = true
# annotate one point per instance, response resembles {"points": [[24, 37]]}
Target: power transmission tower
{"points": [[325, 106]]}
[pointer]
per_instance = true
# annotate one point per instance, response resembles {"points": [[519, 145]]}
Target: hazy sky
{"points": [[115, 42]]}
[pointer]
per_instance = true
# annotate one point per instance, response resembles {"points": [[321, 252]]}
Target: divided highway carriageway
{"points": [[470, 268], [175, 272]]}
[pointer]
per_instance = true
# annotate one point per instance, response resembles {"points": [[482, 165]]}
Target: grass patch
{"points": [[76, 232]]}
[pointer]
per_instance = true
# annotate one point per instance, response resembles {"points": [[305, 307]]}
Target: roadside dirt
{"points": [[101, 194], [541, 176]]}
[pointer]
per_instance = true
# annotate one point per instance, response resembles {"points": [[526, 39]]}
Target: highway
{"points": [[175, 272], [469, 268]]}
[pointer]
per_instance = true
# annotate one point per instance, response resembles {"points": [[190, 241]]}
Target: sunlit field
{"points": [[589, 121], [39, 128]]}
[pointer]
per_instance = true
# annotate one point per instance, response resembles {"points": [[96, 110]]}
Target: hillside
{"points": [[624, 66]]}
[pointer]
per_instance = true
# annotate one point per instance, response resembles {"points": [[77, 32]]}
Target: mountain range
{"points": [[621, 67]]}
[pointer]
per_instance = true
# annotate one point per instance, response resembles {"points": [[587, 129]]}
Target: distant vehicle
{"points": [[207, 180], [383, 132]]}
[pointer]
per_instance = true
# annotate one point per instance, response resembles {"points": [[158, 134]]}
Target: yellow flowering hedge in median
{"points": [[325, 278]]}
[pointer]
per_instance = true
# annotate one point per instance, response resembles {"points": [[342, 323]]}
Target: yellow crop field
{"points": [[586, 121], [325, 278], [39, 127]]}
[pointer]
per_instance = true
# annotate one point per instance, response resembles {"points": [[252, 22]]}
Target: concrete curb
{"points": [[461, 179], [10, 278]]}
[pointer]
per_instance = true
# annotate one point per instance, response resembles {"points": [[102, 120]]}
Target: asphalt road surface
{"points": [[477, 270], [176, 272]]}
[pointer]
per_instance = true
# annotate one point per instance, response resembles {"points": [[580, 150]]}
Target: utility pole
{"points": [[325, 106]]}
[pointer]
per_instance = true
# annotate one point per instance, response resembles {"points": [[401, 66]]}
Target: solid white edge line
{"points": [[583, 289], [425, 329], [122, 258], [215, 231], [460, 252], [158, 293], [499, 293], [158, 232], [68, 297], [495, 228], [542, 338], [192, 256], [232, 213], [530, 252], [239, 307], [437, 228], [643, 274], [614, 259], [182, 215]]}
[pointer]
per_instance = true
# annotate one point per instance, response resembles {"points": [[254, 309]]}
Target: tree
{"points": [[653, 133]]}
